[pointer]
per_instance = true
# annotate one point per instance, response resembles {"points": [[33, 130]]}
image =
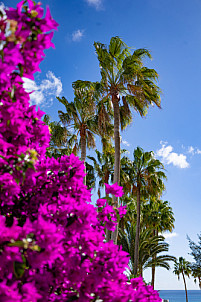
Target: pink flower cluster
{"points": [[23, 137], [107, 215], [52, 245], [114, 189]]}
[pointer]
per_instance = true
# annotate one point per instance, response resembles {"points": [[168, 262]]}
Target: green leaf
{"points": [[18, 243], [19, 268], [21, 70], [17, 180]]}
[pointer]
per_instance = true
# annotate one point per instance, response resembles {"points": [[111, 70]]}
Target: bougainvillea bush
{"points": [[52, 245]]}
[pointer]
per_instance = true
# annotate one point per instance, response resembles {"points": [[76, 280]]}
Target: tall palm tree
{"points": [[182, 267], [80, 115], [147, 175], [127, 83]]}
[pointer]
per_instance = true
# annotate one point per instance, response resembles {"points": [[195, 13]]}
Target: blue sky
{"points": [[171, 30]]}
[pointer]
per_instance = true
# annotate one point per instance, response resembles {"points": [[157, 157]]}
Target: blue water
{"points": [[180, 296]]}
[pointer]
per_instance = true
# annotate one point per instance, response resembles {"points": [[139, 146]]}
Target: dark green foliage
{"points": [[196, 253], [149, 246], [90, 179], [60, 140], [123, 73]]}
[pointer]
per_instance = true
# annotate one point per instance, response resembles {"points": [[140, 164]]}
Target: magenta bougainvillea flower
{"points": [[114, 189], [52, 243]]}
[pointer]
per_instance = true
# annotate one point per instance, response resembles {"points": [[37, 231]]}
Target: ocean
{"points": [[180, 296]]}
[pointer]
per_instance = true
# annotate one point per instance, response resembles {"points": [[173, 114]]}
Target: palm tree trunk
{"points": [[115, 101], [108, 235], [141, 270], [116, 139], [153, 268], [137, 236], [83, 152], [107, 232], [185, 286], [153, 273]]}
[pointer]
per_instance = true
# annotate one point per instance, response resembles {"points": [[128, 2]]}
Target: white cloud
{"points": [[96, 3], [44, 93], [124, 142], [77, 35], [170, 157], [170, 235], [191, 150]]}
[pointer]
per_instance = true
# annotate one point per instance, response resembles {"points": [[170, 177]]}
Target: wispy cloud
{"points": [[44, 93], [96, 3], [77, 35], [170, 235], [193, 151], [124, 142], [169, 157]]}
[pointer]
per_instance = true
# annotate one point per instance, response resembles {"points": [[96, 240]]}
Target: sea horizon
{"points": [[180, 296], [197, 290]]}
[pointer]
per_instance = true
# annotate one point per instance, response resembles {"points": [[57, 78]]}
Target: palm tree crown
{"points": [[79, 115], [123, 74], [182, 266], [158, 215]]}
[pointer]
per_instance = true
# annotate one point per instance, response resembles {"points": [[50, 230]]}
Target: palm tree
{"points": [[146, 174], [125, 80], [80, 115], [158, 215], [182, 267], [149, 246]]}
